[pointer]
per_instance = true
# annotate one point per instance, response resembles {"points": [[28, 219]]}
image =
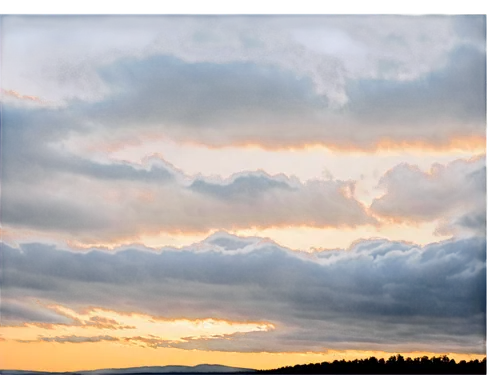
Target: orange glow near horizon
{"points": [[50, 356]]}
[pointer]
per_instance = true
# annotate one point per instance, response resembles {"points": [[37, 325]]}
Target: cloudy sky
{"points": [[244, 190]]}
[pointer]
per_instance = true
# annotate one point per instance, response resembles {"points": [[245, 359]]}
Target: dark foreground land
{"points": [[394, 365]]}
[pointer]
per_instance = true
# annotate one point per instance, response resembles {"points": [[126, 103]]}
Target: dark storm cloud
{"points": [[454, 193], [14, 312], [392, 290]]}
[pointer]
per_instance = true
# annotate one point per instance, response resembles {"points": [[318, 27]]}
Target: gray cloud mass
{"points": [[40, 183], [454, 193], [385, 292]]}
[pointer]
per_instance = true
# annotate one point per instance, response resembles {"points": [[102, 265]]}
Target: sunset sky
{"points": [[252, 191]]}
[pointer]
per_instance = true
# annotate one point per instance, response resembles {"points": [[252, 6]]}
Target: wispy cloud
{"points": [[22, 311]]}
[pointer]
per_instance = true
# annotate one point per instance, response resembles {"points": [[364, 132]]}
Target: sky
{"points": [[253, 191]]}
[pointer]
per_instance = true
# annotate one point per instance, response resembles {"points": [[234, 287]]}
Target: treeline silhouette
{"points": [[394, 365]]}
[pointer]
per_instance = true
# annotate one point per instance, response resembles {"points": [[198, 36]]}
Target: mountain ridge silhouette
{"points": [[394, 365], [168, 369]]}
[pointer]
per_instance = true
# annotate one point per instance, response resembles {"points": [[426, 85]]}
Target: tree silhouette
{"points": [[394, 365]]}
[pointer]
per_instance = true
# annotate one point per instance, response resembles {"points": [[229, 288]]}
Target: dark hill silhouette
{"points": [[144, 370], [394, 365]]}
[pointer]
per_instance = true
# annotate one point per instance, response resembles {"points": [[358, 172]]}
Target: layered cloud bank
{"points": [[374, 295], [287, 186], [120, 201], [50, 187], [276, 82], [179, 87]]}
